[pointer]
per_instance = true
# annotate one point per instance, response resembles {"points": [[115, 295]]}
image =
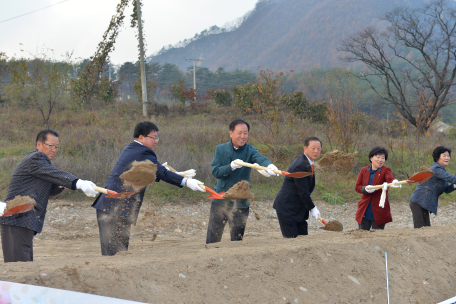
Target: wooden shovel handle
{"points": [[201, 186], [322, 220], [381, 186], [103, 190], [257, 167]]}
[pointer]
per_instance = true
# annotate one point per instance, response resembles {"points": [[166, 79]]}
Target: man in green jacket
{"points": [[228, 174]]}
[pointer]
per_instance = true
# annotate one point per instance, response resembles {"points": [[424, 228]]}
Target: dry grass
{"points": [[92, 139]]}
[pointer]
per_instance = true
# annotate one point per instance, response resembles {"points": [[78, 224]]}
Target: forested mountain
{"points": [[281, 35]]}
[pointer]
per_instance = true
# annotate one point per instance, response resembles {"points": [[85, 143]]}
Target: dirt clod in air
{"points": [[240, 190], [19, 201], [423, 169], [334, 226], [140, 175], [337, 160], [154, 237], [257, 217]]}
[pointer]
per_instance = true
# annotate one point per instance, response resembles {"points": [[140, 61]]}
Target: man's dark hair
{"points": [[144, 128], [312, 138], [236, 122], [439, 151], [42, 136], [378, 151]]}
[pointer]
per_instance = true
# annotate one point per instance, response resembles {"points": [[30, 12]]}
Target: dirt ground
{"points": [[177, 267]]}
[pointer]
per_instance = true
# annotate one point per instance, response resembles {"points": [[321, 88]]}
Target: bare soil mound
{"points": [[334, 226], [337, 160], [169, 262]]}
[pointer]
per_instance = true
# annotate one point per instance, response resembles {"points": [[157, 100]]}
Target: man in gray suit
{"points": [[37, 178]]}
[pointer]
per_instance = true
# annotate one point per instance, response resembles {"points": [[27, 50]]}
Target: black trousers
{"points": [[368, 224], [17, 243], [114, 233], [420, 216], [219, 215], [290, 228]]}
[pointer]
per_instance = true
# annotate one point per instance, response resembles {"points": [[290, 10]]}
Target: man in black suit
{"points": [[293, 202], [114, 215], [37, 178]]}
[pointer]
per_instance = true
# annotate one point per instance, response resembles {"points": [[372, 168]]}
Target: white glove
{"points": [[270, 172], [86, 187], [194, 184], [396, 186], [370, 190], [189, 173], [262, 172], [2, 207], [234, 166], [315, 213]]}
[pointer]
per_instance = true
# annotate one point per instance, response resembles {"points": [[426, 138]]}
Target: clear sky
{"points": [[78, 25]]}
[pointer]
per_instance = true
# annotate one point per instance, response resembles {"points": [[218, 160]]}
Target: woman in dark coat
{"points": [[370, 214], [425, 198]]}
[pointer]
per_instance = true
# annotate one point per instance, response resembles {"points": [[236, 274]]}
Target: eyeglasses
{"points": [[52, 147], [154, 138]]}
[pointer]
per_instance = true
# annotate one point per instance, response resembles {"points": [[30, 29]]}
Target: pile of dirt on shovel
{"points": [[337, 160], [140, 175], [19, 201], [334, 226], [423, 169], [240, 190]]}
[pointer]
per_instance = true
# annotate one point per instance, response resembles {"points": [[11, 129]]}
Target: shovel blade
{"points": [[18, 209], [297, 174], [420, 177], [216, 195], [120, 195]]}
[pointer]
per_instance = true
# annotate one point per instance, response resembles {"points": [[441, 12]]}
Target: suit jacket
{"points": [[381, 215], [128, 208], [226, 178], [37, 178], [293, 200], [427, 194]]}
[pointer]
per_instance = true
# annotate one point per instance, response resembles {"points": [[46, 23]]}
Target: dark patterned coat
{"points": [[427, 194], [293, 200], [37, 178]]}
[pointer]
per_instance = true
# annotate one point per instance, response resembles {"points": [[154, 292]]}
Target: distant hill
{"points": [[283, 35]]}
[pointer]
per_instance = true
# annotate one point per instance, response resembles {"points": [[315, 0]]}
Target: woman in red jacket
{"points": [[370, 214]]}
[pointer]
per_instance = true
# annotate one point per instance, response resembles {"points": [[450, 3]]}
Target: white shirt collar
{"points": [[310, 161], [138, 142]]}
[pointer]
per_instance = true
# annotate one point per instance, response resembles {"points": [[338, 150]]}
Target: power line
{"points": [[34, 11]]}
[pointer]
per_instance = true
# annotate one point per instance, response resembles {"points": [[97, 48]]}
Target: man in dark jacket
{"points": [[115, 215], [228, 174], [293, 202], [37, 178]]}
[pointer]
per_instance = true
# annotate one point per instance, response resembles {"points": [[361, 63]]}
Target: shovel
{"points": [[214, 195], [417, 178], [258, 167], [334, 225], [113, 194], [18, 209]]}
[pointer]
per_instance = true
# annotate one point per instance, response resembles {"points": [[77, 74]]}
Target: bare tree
{"points": [[415, 59]]}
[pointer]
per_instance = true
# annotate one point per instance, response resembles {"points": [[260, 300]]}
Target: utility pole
{"points": [[143, 67], [194, 75]]}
